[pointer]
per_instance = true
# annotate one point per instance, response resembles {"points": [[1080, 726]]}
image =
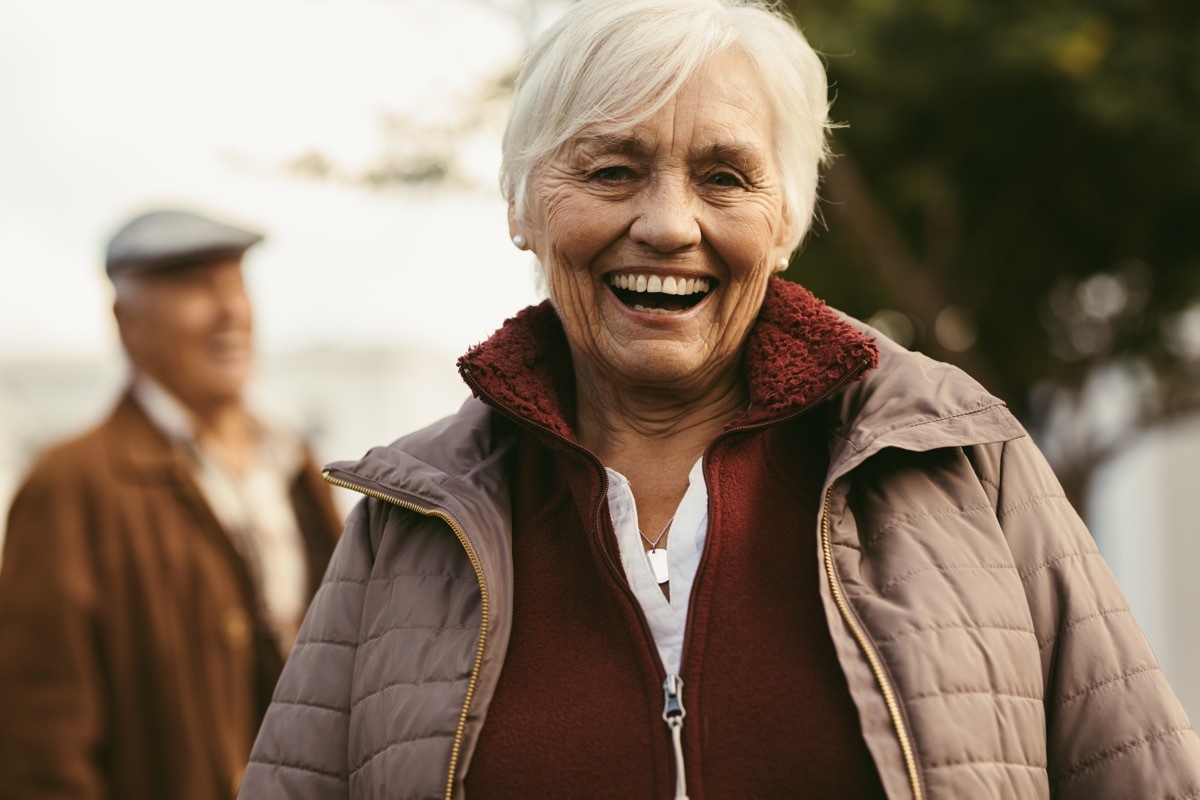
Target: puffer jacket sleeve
{"points": [[1115, 728], [301, 752]]}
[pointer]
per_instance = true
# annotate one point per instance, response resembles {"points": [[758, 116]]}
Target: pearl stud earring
{"points": [[783, 262], [520, 242]]}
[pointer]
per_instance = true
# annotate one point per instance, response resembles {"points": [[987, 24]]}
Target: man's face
{"points": [[190, 330]]}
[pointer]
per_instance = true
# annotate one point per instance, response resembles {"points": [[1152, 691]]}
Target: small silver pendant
{"points": [[658, 564]]}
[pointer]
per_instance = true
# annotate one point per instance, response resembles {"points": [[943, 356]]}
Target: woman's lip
{"points": [[660, 271]]}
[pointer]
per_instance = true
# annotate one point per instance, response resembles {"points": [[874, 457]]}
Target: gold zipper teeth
{"points": [[456, 748], [889, 695]]}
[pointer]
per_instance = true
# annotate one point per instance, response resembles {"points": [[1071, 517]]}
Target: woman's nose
{"points": [[667, 218]]}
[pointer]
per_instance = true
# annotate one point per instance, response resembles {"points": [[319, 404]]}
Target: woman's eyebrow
{"points": [[743, 153], [614, 143]]}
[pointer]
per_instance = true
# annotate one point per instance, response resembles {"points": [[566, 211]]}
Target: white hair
{"points": [[608, 65]]}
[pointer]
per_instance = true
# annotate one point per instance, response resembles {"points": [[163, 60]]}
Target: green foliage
{"points": [[1041, 163]]}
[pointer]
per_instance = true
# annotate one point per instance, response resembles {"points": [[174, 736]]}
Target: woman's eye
{"points": [[725, 179], [612, 174]]}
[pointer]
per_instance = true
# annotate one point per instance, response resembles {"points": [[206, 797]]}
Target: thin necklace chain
{"points": [[654, 544]]}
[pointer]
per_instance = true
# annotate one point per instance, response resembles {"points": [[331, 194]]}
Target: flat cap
{"points": [[168, 238]]}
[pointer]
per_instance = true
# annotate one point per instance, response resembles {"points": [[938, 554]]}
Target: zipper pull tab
{"points": [[673, 714]]}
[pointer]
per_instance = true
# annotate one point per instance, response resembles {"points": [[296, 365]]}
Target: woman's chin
{"points": [[656, 363]]}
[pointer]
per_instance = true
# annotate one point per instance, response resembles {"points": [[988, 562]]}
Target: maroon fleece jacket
{"points": [[578, 708]]}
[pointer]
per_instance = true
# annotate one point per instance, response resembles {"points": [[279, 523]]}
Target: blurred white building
{"points": [[1145, 514], [344, 401]]}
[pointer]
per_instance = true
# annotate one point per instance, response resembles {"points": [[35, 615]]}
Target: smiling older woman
{"points": [[697, 531]]}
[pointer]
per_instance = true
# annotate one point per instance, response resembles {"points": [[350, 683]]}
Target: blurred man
{"points": [[156, 569]]}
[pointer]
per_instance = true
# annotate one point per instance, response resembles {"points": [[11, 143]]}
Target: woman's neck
{"points": [[609, 422], [654, 436], [612, 414]]}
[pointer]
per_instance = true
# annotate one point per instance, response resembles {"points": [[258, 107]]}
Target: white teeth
{"points": [[657, 284]]}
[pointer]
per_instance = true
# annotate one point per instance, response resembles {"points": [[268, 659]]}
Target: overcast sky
{"points": [[108, 108]]}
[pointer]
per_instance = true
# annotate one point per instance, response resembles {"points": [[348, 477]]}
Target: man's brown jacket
{"points": [[133, 661]]}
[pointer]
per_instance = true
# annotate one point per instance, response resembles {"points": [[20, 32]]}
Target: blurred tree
{"points": [[1016, 192], [420, 151]]}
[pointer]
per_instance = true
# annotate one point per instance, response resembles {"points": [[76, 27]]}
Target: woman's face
{"points": [[657, 243]]}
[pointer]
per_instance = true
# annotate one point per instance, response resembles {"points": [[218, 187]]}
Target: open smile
{"points": [[657, 293]]}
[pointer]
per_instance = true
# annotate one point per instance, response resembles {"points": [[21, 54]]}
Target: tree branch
{"points": [[874, 230]]}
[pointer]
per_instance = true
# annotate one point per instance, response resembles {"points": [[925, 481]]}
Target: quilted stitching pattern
{"points": [[1058, 696], [408, 652]]}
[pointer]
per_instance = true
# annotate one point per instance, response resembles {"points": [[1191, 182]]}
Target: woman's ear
{"points": [[516, 231], [783, 243]]}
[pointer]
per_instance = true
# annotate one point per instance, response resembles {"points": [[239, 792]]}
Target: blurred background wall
{"points": [[1015, 191]]}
